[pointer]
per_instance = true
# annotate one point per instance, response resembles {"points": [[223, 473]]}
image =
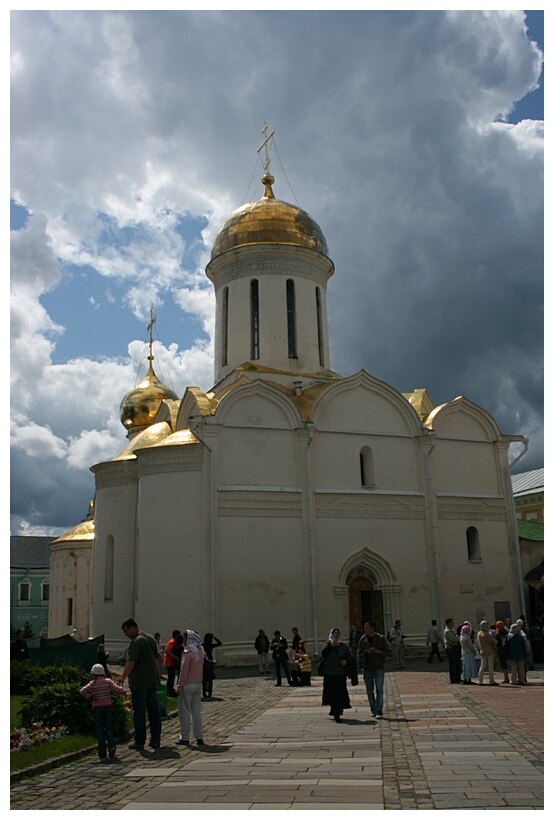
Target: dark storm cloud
{"points": [[389, 125]]}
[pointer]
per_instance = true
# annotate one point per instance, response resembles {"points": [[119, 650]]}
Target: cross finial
{"points": [[267, 178], [265, 142], [150, 329]]}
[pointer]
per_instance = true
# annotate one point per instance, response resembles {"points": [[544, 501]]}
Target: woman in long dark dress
{"points": [[210, 643], [335, 658]]}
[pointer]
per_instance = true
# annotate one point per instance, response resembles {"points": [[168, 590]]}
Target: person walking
{"points": [[209, 643], [335, 658], [487, 650], [261, 645], [373, 650], [396, 640], [189, 688], [434, 637], [452, 647], [99, 692], [279, 648], [142, 671]]}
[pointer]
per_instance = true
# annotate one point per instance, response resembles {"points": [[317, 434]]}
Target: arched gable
{"points": [[362, 403], [257, 404], [462, 419], [366, 557], [194, 403]]}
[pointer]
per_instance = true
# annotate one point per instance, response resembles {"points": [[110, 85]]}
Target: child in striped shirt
{"points": [[99, 691]]}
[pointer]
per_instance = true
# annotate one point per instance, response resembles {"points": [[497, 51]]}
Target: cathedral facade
{"points": [[290, 494]]}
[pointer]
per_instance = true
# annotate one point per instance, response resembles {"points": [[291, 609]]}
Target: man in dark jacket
{"points": [[373, 650], [261, 645], [516, 652], [279, 648]]}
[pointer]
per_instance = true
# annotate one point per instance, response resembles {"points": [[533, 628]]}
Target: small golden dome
{"points": [[140, 405], [269, 221]]}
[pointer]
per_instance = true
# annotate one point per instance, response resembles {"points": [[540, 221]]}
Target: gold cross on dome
{"points": [[150, 329], [265, 142]]}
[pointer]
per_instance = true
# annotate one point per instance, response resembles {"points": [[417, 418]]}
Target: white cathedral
{"points": [[289, 494]]}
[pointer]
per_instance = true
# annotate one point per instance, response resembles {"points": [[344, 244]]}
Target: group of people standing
{"points": [[294, 663], [500, 649], [190, 678], [171, 658]]}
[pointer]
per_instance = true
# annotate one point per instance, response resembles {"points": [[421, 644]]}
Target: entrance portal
{"points": [[365, 603]]}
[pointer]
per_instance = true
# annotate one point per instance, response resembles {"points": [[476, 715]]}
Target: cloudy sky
{"points": [[414, 139]]}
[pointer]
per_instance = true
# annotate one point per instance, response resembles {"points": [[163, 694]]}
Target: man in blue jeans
{"points": [[144, 677], [373, 650]]}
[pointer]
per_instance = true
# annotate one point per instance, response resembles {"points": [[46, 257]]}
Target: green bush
{"points": [[61, 703], [23, 676]]}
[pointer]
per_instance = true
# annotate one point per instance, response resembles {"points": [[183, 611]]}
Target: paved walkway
{"points": [[438, 747]]}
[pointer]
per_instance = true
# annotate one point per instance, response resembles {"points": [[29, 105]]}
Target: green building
{"points": [[29, 586]]}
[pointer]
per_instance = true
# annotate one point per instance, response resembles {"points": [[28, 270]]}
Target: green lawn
{"points": [[46, 751]]}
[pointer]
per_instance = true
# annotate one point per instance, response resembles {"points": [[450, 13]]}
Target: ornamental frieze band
{"points": [[474, 509], [259, 505], [362, 506], [175, 460], [263, 267]]}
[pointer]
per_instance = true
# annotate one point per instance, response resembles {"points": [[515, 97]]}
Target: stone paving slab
{"points": [[438, 747]]}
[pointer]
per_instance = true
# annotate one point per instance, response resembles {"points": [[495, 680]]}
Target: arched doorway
{"points": [[365, 602]]}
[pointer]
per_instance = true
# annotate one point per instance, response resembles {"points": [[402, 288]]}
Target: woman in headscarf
{"points": [[189, 688], [469, 667], [335, 658]]}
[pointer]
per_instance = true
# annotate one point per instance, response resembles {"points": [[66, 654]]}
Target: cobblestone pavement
{"points": [[438, 747]]}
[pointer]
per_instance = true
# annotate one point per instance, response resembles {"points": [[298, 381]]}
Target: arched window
{"points": [[473, 546], [24, 592], [254, 319], [108, 569], [319, 327], [367, 470], [224, 327], [291, 319]]}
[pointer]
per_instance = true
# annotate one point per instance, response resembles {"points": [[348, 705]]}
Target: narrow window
{"points": [[69, 611], [24, 591], [291, 319], [255, 319], [45, 590], [225, 327], [108, 569], [367, 474], [319, 327], [473, 546]]}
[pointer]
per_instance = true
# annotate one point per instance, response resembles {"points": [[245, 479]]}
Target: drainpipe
{"points": [[525, 442], [193, 421], [311, 527], [434, 535]]}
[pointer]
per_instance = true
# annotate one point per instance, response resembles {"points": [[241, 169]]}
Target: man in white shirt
{"points": [[396, 640]]}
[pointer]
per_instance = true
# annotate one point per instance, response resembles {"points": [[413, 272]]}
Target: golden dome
{"points": [[140, 405], [270, 221]]}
